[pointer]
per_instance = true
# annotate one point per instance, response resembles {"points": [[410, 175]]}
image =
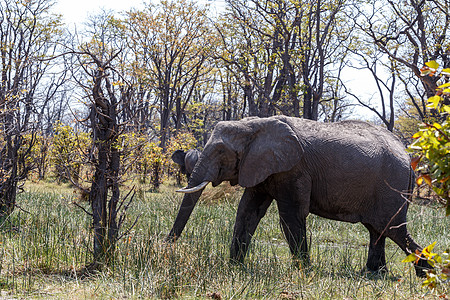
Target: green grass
{"points": [[45, 245]]}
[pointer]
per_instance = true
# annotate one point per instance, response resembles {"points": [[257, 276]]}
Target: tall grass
{"points": [[47, 242]]}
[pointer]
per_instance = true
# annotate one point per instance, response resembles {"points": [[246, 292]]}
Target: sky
{"points": [[77, 11]]}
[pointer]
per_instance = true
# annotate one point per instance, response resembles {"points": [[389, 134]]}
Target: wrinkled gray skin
{"points": [[186, 160], [348, 171]]}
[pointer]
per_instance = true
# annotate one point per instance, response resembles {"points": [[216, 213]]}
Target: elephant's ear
{"points": [[178, 157], [275, 149]]}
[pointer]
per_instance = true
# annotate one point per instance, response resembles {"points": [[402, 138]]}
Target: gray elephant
{"points": [[348, 171], [186, 160]]}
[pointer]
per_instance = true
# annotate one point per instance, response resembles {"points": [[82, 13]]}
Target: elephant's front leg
{"points": [[252, 208]]}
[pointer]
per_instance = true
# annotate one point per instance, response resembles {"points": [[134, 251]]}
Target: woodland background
{"points": [[172, 70]]}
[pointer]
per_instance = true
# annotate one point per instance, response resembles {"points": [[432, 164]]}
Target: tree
{"points": [[432, 143], [406, 33], [170, 42], [258, 40], [100, 61], [282, 53], [68, 152], [105, 130], [28, 34]]}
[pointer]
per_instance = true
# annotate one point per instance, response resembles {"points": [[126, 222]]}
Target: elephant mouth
{"points": [[194, 189]]}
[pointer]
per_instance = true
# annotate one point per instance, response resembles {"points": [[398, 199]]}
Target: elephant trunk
{"points": [[192, 193], [186, 208]]}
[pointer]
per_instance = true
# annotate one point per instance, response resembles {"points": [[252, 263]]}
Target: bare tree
{"points": [[28, 33], [100, 62], [319, 48], [384, 73], [410, 33]]}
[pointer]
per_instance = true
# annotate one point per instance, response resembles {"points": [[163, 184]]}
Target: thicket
{"points": [[64, 157]]}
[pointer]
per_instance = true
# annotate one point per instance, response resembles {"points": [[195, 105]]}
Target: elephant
{"points": [[186, 160], [348, 171]]}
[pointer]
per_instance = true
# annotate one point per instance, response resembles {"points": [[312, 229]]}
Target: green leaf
{"points": [[432, 64]]}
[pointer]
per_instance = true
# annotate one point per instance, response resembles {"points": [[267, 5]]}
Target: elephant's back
{"points": [[371, 139], [376, 139], [350, 142]]}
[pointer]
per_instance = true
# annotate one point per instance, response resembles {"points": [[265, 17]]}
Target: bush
{"points": [[432, 149]]}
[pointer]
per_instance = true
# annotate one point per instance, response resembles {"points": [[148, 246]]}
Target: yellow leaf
{"points": [[434, 100], [444, 85], [409, 258], [414, 162], [430, 280], [427, 179], [417, 135], [444, 180], [419, 180], [427, 250], [432, 64], [445, 71], [426, 71], [446, 108]]}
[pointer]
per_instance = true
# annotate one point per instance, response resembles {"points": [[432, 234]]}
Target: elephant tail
{"points": [[412, 181]]}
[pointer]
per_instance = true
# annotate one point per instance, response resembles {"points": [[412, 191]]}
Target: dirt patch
{"points": [[221, 193]]}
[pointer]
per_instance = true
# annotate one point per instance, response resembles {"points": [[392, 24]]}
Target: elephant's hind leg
{"points": [[376, 258], [293, 223], [400, 235], [252, 208]]}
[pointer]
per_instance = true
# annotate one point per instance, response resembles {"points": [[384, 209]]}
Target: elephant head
{"points": [[242, 152]]}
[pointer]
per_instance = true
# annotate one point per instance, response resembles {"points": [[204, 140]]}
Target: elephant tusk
{"points": [[193, 189]]}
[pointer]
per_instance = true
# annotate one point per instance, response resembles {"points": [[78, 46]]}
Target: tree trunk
{"points": [[248, 95], [8, 177], [113, 227], [98, 200], [156, 168], [8, 190], [105, 129], [307, 103]]}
